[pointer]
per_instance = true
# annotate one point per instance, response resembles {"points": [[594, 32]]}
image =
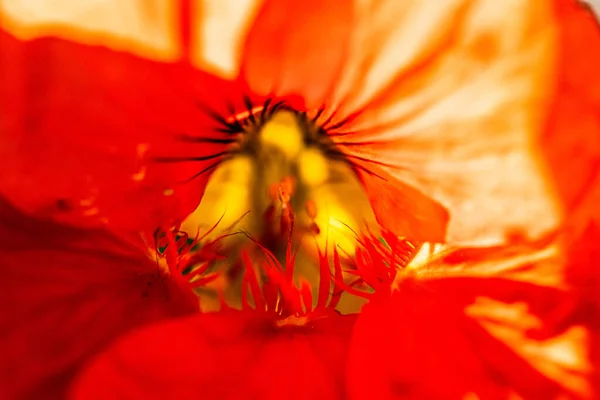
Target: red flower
{"points": [[449, 115]]}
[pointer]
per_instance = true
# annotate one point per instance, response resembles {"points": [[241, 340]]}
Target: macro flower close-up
{"points": [[326, 199]]}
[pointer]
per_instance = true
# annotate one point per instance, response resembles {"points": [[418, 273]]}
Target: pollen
{"points": [[313, 167], [283, 132], [142, 149], [140, 175], [292, 320], [91, 212], [86, 202]]}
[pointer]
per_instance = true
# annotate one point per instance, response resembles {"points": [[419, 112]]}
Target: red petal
{"points": [[571, 142], [584, 274], [573, 134], [67, 293], [297, 48], [584, 271], [227, 355], [80, 125], [427, 342]]}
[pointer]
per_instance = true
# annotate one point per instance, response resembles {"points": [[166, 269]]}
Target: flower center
{"points": [[283, 199]]}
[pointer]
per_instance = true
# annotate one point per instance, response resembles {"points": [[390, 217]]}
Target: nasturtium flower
{"points": [[318, 199]]}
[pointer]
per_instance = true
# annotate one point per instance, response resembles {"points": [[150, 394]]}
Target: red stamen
{"points": [[306, 292], [170, 255], [287, 186], [290, 298], [290, 256], [324, 276], [338, 277], [244, 294], [311, 209], [205, 280], [241, 116], [252, 281], [271, 295]]}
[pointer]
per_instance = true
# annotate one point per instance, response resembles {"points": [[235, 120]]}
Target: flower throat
{"points": [[282, 198]]}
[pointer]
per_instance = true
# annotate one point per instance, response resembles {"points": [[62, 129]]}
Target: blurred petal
{"points": [[472, 336], [584, 270], [144, 27], [80, 127], [584, 274], [573, 134], [541, 262], [447, 96], [571, 142], [226, 355], [297, 48], [595, 5], [219, 33], [67, 293]]}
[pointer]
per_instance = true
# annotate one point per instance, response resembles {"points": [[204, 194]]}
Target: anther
{"points": [[311, 210]]}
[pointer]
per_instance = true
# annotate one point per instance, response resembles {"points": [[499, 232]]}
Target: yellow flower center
{"points": [[281, 177]]}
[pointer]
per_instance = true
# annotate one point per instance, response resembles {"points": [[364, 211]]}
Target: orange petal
{"points": [[448, 103], [297, 48], [404, 210], [218, 33], [147, 28]]}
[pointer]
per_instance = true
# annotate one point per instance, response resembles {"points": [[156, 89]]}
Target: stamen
{"points": [[311, 210], [288, 303], [282, 133], [186, 266], [286, 188], [241, 116], [379, 259], [281, 195]]}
